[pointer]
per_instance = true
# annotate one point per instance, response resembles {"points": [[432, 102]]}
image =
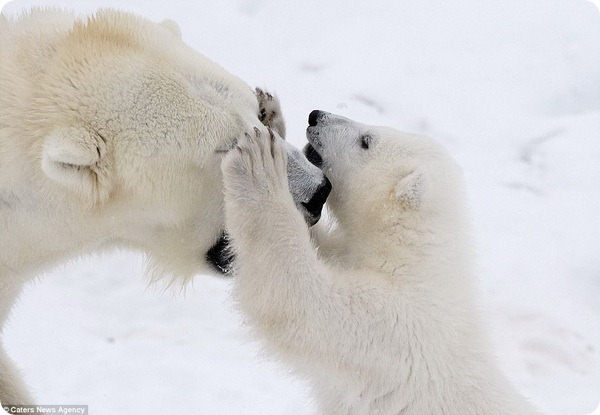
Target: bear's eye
{"points": [[365, 141]]}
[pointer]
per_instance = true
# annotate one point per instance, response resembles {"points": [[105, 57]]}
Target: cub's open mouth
{"points": [[312, 155]]}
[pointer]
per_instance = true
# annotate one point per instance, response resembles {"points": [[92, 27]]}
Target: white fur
{"points": [[378, 310], [112, 132]]}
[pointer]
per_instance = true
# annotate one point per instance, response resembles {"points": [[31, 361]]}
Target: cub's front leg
{"points": [[256, 189], [296, 302], [275, 261]]}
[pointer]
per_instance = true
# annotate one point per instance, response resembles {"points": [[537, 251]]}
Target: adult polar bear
{"points": [[381, 315], [112, 133]]}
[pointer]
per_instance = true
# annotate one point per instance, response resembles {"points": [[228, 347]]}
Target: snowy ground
{"points": [[512, 88]]}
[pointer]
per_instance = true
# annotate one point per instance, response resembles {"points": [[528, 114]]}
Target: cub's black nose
{"points": [[315, 205], [313, 117]]}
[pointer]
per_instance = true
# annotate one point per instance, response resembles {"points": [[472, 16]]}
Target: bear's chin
{"points": [[220, 257]]}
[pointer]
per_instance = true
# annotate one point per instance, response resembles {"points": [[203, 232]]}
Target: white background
{"points": [[511, 87]]}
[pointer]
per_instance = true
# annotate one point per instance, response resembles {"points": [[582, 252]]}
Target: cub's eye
{"points": [[365, 141]]}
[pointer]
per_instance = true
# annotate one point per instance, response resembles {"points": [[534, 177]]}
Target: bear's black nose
{"points": [[313, 117]]}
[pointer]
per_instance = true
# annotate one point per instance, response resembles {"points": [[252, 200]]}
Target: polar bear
{"points": [[377, 309], [112, 132]]}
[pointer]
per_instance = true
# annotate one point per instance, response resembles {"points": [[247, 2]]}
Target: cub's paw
{"points": [[255, 170], [269, 111]]}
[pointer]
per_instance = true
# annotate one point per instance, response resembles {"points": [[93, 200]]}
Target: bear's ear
{"points": [[172, 26], [412, 188], [77, 158]]}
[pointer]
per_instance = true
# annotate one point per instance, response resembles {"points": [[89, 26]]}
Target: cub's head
{"points": [[381, 177]]}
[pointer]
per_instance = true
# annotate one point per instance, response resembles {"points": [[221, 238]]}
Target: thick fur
{"points": [[112, 132], [378, 310]]}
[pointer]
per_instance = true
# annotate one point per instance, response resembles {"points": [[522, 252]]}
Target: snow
{"points": [[512, 88]]}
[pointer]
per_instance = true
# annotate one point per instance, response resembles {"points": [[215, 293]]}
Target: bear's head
{"points": [[132, 126], [384, 181]]}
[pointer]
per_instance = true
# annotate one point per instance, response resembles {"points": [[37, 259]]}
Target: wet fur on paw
{"points": [[269, 111]]}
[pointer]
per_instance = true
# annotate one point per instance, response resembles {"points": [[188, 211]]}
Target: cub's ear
{"points": [[78, 159], [172, 26], [411, 189]]}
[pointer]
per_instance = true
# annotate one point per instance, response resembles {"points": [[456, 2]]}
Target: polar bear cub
{"points": [[377, 310]]}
